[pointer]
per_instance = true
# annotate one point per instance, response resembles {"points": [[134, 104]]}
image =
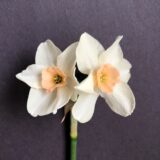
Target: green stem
{"points": [[73, 137]]}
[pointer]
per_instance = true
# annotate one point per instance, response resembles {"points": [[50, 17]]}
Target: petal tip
{"points": [[76, 117], [48, 40], [55, 111], [45, 43], [29, 111], [119, 38], [32, 114], [132, 110], [85, 35], [17, 75]]}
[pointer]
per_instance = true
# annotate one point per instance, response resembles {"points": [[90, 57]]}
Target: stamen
{"points": [[103, 78], [58, 79]]}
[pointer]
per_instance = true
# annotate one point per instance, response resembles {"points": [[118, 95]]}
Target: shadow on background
{"points": [[15, 92]]}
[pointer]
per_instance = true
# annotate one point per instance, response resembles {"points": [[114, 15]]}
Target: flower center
{"points": [[58, 79], [52, 78], [107, 77]]}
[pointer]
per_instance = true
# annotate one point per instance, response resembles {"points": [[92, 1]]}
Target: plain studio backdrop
{"points": [[108, 136]]}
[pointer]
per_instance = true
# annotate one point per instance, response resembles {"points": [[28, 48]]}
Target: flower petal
{"points": [[87, 52], [124, 67], [113, 54], [71, 84], [67, 59], [122, 100], [31, 75], [87, 85], [62, 98], [125, 76], [83, 109], [47, 53], [40, 102]]}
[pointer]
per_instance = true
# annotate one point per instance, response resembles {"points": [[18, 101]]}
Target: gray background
{"points": [[26, 23]]}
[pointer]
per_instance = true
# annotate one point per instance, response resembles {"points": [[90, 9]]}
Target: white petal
{"points": [[124, 67], [31, 75], [87, 85], [122, 100], [62, 98], [40, 102], [72, 85], [83, 109], [67, 59], [66, 62], [47, 53], [125, 76], [113, 54], [88, 51]]}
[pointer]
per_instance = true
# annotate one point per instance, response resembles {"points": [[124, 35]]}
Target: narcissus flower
{"points": [[108, 73], [51, 79]]}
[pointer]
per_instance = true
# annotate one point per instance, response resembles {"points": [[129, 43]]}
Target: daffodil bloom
{"points": [[51, 78], [108, 73]]}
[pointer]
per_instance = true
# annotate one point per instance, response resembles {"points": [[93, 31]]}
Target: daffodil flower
{"points": [[108, 73], [51, 78]]}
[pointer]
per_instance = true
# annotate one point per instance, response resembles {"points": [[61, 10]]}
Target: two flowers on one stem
{"points": [[53, 82]]}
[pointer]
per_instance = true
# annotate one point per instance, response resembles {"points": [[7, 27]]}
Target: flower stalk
{"points": [[73, 138]]}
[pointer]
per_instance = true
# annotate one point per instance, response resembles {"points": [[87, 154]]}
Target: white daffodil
{"points": [[51, 78], [108, 73]]}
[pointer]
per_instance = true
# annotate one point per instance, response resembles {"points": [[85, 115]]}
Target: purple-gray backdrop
{"points": [[26, 23]]}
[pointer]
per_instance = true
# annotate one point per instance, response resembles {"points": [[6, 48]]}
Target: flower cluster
{"points": [[53, 82]]}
